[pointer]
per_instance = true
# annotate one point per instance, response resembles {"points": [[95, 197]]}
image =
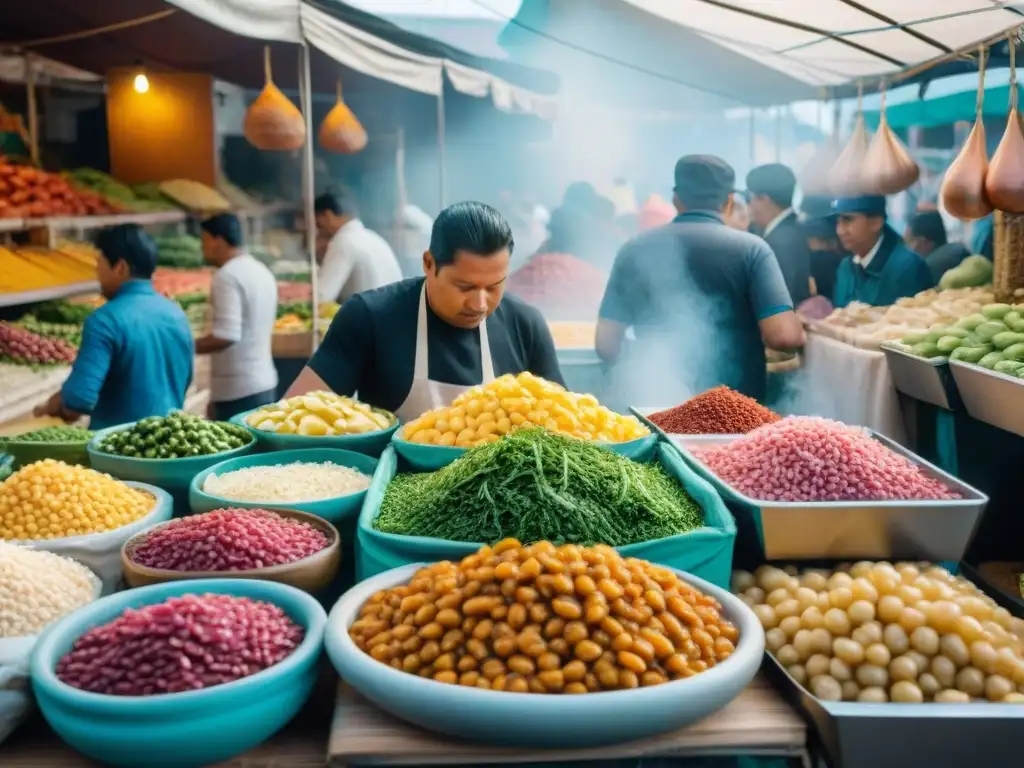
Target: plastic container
{"points": [[24, 452], [705, 552], [369, 443], [310, 574], [427, 458], [178, 730], [540, 720]]}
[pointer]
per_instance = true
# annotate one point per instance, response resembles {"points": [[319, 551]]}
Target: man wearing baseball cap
{"points": [[702, 299], [770, 191], [881, 268]]}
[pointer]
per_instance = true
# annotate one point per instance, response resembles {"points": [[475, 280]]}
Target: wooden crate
{"points": [[1008, 256]]}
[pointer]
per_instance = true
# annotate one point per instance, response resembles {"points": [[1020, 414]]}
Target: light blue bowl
{"points": [[370, 443], [538, 720], [334, 510], [427, 458], [178, 730], [173, 475]]}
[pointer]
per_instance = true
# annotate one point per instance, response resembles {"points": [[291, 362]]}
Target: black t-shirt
{"points": [[371, 345]]}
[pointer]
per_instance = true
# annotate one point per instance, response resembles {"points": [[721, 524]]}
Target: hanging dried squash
{"points": [[888, 166], [341, 130], [1004, 183], [272, 122], [847, 175], [815, 176], [963, 187]]}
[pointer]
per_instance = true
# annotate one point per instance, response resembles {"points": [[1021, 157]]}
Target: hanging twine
{"points": [[881, 90], [338, 90], [860, 97], [266, 64], [981, 81], [1012, 37]]}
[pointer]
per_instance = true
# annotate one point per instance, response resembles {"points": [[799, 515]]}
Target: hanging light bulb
{"points": [[141, 81]]}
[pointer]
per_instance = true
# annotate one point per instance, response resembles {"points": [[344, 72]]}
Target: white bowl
{"points": [[540, 720]]}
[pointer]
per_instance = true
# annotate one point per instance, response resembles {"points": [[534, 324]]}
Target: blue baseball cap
{"points": [[866, 205]]}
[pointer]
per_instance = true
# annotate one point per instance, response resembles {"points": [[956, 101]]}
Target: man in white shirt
{"points": [[357, 258], [244, 299]]}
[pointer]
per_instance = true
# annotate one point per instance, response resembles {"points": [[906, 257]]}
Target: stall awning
{"points": [[949, 100]]}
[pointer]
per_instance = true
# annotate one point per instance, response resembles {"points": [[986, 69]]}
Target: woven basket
{"points": [[1008, 253]]}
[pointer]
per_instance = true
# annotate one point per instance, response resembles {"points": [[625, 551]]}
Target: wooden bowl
{"points": [[311, 574]]}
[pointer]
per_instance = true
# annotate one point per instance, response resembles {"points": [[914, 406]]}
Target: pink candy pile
{"points": [[809, 459], [229, 540], [183, 644]]}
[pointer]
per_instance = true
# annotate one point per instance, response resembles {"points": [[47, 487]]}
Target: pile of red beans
{"points": [[719, 411], [228, 540], [810, 459], [183, 644]]}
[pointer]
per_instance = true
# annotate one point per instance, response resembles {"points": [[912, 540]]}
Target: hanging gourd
{"points": [[888, 166], [847, 175], [272, 122], [963, 188], [341, 130], [1004, 183], [814, 178]]}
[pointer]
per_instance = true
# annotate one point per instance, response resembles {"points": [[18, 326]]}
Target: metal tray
{"points": [[994, 398], [919, 530], [643, 413], [902, 735], [926, 380]]}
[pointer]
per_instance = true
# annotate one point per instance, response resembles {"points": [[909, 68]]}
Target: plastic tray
{"points": [[929, 381], [990, 397], [705, 552], [920, 530]]}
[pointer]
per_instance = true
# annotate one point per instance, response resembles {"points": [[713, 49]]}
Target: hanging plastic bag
{"points": [[1004, 182], [847, 175], [341, 130], [963, 187], [272, 122], [888, 167]]}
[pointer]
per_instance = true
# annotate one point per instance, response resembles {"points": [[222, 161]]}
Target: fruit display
{"points": [[194, 196], [535, 485], [319, 413], [177, 436], [180, 251], [992, 338], [546, 620], [289, 292], [719, 411], [292, 323], [869, 327], [973, 272], [64, 312], [877, 632], [227, 540], [38, 587], [112, 190], [20, 346], [35, 502], [294, 483], [31, 268], [802, 458], [484, 413], [70, 333], [57, 434], [175, 282], [106, 659], [28, 192]]}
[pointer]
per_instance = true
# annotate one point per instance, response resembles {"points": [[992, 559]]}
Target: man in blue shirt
{"points": [[880, 269], [137, 351], [702, 299]]}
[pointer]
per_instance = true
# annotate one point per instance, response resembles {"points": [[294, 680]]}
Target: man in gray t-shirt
{"points": [[703, 299], [244, 299]]}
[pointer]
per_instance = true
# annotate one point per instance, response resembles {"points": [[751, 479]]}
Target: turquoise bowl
{"points": [[173, 475], [370, 443], [334, 510], [541, 721], [427, 458], [178, 730]]}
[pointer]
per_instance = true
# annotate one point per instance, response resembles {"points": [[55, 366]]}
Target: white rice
{"points": [[297, 482]]}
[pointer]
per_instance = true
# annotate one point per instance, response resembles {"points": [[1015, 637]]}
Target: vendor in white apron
{"points": [[416, 345]]}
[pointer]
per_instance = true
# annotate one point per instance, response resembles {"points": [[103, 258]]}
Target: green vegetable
{"points": [[912, 339], [535, 485], [952, 330], [1014, 352], [970, 322], [990, 360], [973, 271], [176, 436], [58, 434], [970, 354], [926, 349], [948, 343], [1007, 339], [987, 331], [62, 311], [1011, 367], [1014, 321], [996, 311]]}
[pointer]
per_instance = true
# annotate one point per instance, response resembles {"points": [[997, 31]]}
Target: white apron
{"points": [[425, 395]]}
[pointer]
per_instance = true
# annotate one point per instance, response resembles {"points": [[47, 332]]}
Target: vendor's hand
{"points": [[54, 406]]}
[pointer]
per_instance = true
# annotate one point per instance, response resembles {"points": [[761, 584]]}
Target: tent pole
{"points": [[440, 144], [33, 108], [306, 96]]}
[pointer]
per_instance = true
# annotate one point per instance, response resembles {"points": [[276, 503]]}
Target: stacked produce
{"points": [[179, 251], [973, 272], [194, 196], [299, 481], [63, 312], [535, 485], [58, 434], [112, 190], [573, 335], [319, 413], [875, 632], [719, 411], [809, 459], [546, 619], [24, 347], [869, 327], [72, 334], [992, 338], [38, 587], [227, 540], [174, 282], [177, 436], [27, 192], [31, 268], [136, 654], [560, 284], [484, 413], [53, 500]]}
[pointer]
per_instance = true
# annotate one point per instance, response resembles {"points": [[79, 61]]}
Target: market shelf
{"points": [[51, 292], [92, 222]]}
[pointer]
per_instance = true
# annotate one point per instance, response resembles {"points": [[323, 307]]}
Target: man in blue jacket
{"points": [[880, 269]]}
